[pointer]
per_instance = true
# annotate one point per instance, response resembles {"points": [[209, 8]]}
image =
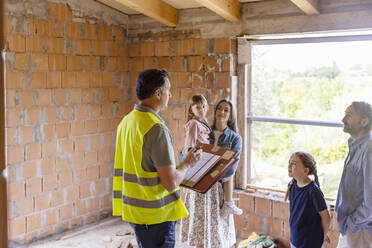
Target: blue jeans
{"points": [[160, 235]]}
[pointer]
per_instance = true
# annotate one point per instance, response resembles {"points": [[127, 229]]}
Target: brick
{"points": [[17, 226], [99, 187], [107, 108], [14, 80], [65, 212], [111, 64], [61, 12], [104, 33], [95, 142], [90, 126], [95, 111], [246, 202], [281, 210], [197, 80], [200, 46], [104, 171], [84, 191], [123, 64], [26, 134], [26, 98], [223, 80], [82, 79], [228, 64], [47, 166], [29, 169], [33, 151], [74, 63], [73, 30], [39, 80], [60, 96], [108, 79], [98, 48], [81, 208], [150, 63], [57, 198], [33, 186], [163, 49], [95, 80], [65, 146], [164, 63], [123, 50], [40, 62], [12, 136], [49, 182], [25, 206], [137, 64], [211, 63], [134, 50], [103, 95], [22, 62], [50, 114], [35, 44], [94, 204], [224, 45], [74, 96], [93, 171], [106, 155], [66, 112], [263, 206], [87, 95], [112, 48], [83, 47], [72, 194], [77, 128], [106, 203], [68, 79], [65, 179], [33, 116], [15, 154], [181, 79], [91, 63], [51, 216], [62, 165], [49, 131], [147, 49], [275, 227], [15, 43], [90, 31], [43, 97], [16, 190], [195, 63], [185, 47], [118, 34], [254, 223], [62, 130]]}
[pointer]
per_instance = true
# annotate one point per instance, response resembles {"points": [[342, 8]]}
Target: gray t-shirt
{"points": [[157, 147]]}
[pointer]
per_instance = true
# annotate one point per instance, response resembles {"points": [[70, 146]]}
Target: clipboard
{"points": [[215, 161]]}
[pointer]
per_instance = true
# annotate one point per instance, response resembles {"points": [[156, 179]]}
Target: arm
{"points": [[362, 215], [191, 131], [171, 177], [326, 219]]}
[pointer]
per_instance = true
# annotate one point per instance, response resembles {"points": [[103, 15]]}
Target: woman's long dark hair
{"points": [[309, 162], [231, 123]]}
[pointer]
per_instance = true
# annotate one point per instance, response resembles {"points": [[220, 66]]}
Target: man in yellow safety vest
{"points": [[146, 179]]}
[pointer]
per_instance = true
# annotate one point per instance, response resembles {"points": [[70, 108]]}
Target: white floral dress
{"points": [[206, 226]]}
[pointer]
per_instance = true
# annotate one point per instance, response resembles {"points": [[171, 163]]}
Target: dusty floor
{"points": [[108, 233]]}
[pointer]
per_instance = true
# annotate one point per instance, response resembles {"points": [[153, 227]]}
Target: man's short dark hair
{"points": [[149, 81], [364, 110]]}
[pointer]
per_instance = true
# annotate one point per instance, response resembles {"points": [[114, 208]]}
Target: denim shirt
{"points": [[354, 198], [228, 139]]}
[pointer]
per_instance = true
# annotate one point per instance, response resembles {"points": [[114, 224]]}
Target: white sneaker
{"points": [[231, 208]]}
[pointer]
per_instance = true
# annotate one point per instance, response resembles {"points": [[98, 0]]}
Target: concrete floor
{"points": [[107, 233]]}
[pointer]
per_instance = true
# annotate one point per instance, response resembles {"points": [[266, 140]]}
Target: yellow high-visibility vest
{"points": [[138, 195]]}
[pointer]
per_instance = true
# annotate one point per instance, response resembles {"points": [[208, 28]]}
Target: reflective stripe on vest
{"points": [[144, 181], [148, 204]]}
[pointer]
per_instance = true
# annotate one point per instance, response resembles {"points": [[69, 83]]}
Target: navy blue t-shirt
{"points": [[305, 223]]}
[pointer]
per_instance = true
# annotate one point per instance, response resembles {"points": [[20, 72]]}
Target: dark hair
{"points": [[231, 123], [364, 111], [196, 99], [149, 81], [309, 162]]}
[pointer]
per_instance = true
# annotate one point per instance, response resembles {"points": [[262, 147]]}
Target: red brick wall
{"points": [[68, 84], [264, 215], [65, 85]]}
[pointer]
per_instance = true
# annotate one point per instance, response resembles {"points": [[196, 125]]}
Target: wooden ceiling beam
{"points": [[228, 9], [155, 9], [310, 7]]}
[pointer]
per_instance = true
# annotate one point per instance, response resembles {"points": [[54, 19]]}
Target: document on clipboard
{"points": [[214, 162]]}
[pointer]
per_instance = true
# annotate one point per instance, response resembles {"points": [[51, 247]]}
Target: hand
{"points": [[193, 156], [327, 239]]}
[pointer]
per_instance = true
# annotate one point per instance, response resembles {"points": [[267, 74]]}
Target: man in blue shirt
{"points": [[354, 198]]}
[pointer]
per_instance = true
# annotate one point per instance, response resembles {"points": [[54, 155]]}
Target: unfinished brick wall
{"points": [[196, 66], [66, 85], [264, 215]]}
